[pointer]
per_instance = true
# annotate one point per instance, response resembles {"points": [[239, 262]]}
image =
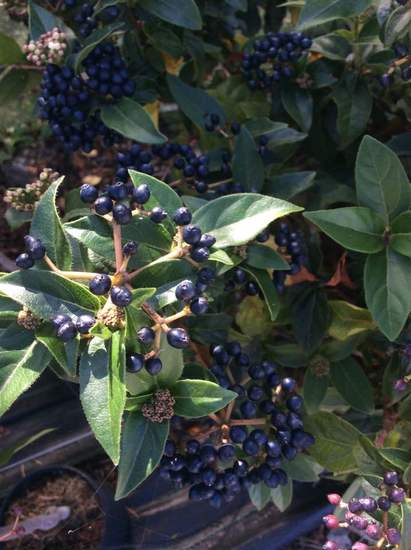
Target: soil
{"points": [[81, 531]]}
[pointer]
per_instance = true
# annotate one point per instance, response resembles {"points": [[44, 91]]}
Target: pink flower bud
{"points": [[334, 499], [360, 546], [331, 521]]}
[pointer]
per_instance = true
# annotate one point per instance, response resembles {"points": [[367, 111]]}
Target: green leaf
{"points": [[303, 468], [41, 20], [7, 454], [194, 102], [47, 294], [248, 167], [397, 25], [18, 371], [196, 398], [406, 525], [266, 286], [173, 365], [400, 238], [335, 440], [264, 257], [10, 51], [161, 193], [382, 183], [184, 14], [282, 495], [130, 119], [288, 185], [310, 315], [12, 84], [103, 391], [17, 218], [405, 408], [142, 447], [135, 403], [314, 390], [260, 495], [65, 353], [94, 39], [317, 12], [400, 458], [354, 106], [352, 383], [299, 104], [333, 46], [348, 320], [353, 227], [209, 328], [386, 277], [289, 355], [47, 227], [236, 219]]}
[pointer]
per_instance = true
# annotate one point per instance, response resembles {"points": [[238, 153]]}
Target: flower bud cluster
{"points": [[49, 48], [25, 198]]}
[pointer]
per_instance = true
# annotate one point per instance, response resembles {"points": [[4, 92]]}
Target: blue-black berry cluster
{"points": [[35, 250], [290, 243], [359, 512], [68, 102], [86, 18], [241, 455], [401, 51], [273, 57], [67, 328]]}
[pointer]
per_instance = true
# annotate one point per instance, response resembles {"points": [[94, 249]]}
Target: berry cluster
{"points": [[66, 101], [290, 243], [35, 250], [49, 48], [67, 328], [358, 511], [87, 20], [238, 454], [272, 58], [25, 198]]}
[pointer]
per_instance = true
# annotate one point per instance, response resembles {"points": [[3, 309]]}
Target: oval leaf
{"points": [[183, 14], [351, 382], [196, 398]]}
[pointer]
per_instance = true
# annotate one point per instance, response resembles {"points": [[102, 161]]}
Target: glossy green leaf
{"points": [[348, 320], [103, 391], [248, 167], [266, 286], [47, 227], [264, 257], [282, 495], [386, 276], [288, 185], [335, 440], [184, 14], [135, 403], [333, 46], [354, 227], [299, 104], [130, 119], [354, 105], [260, 495], [47, 294], [18, 371], [303, 468], [10, 51], [400, 238], [194, 102], [397, 25], [196, 398], [382, 183], [236, 219], [352, 383], [317, 12], [141, 450], [314, 390]]}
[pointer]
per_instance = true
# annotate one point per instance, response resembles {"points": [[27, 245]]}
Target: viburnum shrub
{"points": [[217, 331]]}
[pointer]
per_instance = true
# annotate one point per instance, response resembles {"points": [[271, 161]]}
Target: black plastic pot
{"points": [[116, 533]]}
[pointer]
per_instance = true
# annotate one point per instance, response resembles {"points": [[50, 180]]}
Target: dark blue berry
{"points": [[122, 214], [145, 335], [182, 216], [34, 247], [295, 403], [238, 434], [191, 234], [391, 478], [153, 366], [100, 285], [58, 320], [207, 240], [185, 291], [199, 254], [24, 261], [288, 384], [259, 437], [158, 214], [192, 446], [199, 306], [103, 205], [67, 331], [141, 194], [88, 193], [130, 248], [117, 191], [135, 362], [248, 409], [250, 447], [178, 338], [84, 323], [120, 296]]}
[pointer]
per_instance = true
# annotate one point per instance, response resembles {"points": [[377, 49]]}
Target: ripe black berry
{"points": [[141, 194], [153, 366], [130, 248], [103, 205], [58, 320], [34, 247], [100, 285], [120, 296], [391, 478], [238, 434], [135, 362], [207, 240], [122, 214], [200, 254], [88, 193], [146, 335], [24, 261], [67, 331], [199, 306], [178, 338], [185, 290], [191, 234], [84, 323], [158, 214], [182, 216]]}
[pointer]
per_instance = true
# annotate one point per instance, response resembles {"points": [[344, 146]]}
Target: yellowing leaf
{"points": [[349, 320]]}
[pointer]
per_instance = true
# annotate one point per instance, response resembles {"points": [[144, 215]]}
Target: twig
{"points": [[79, 275], [248, 422]]}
